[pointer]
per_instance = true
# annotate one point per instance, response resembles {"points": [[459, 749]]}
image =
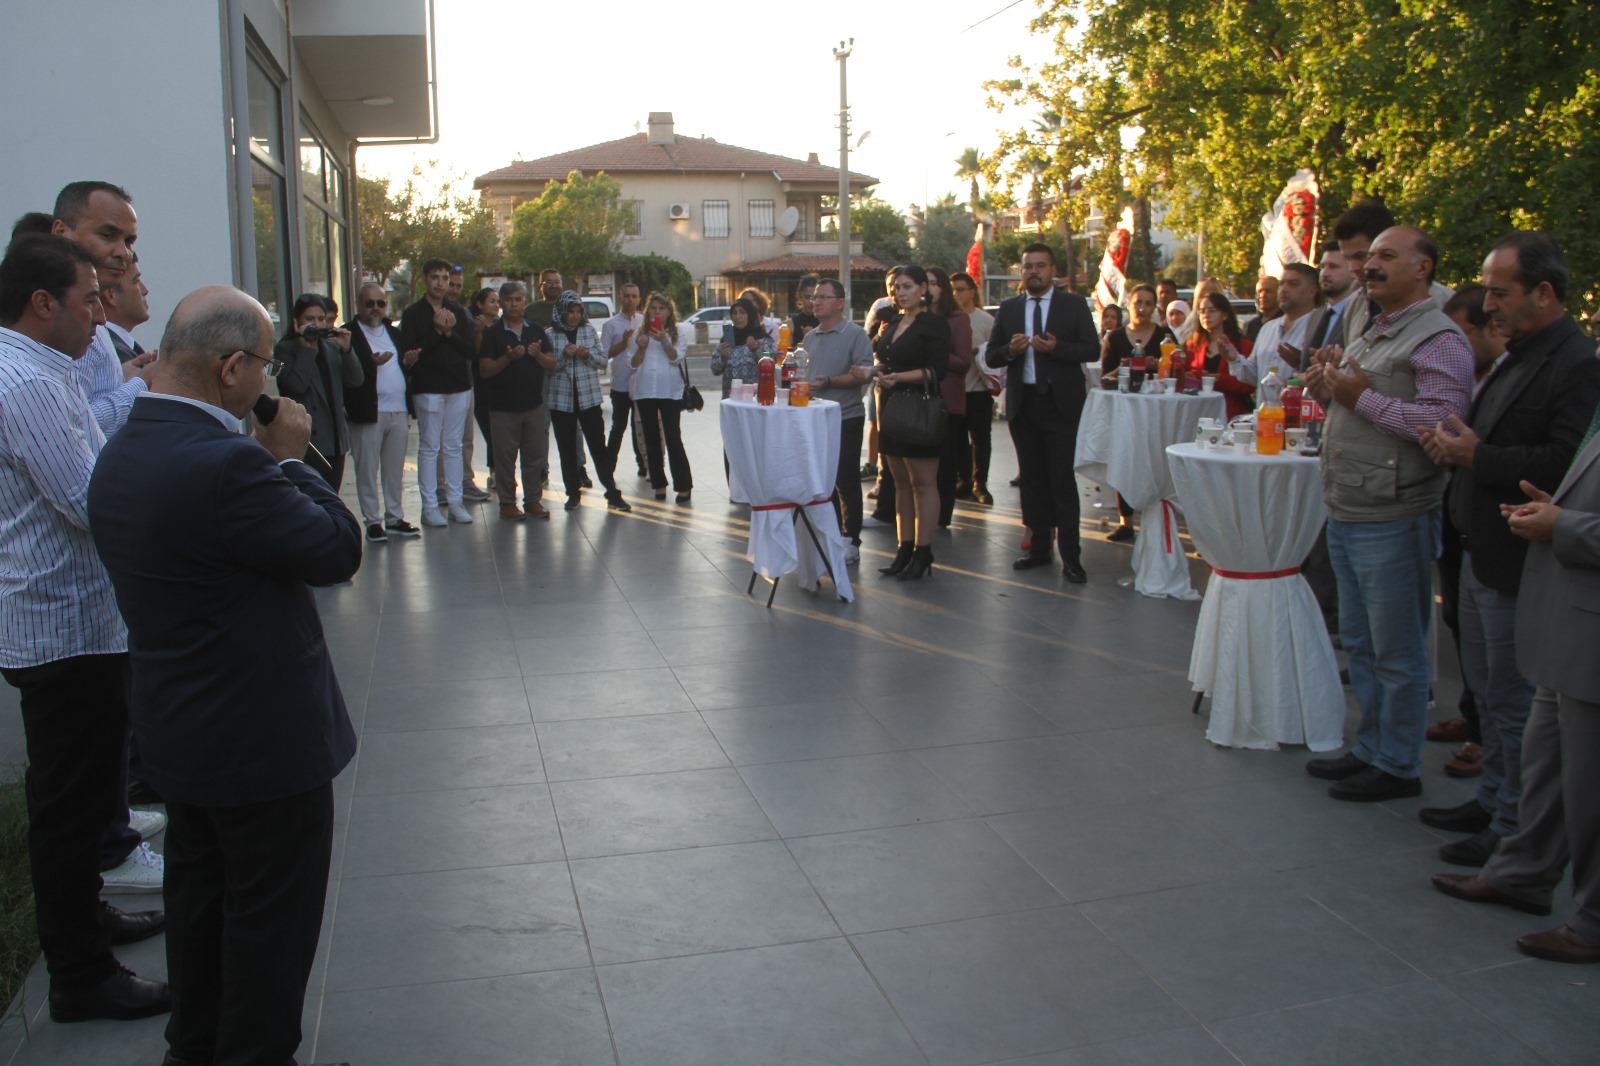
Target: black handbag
{"points": [[913, 415], [692, 400]]}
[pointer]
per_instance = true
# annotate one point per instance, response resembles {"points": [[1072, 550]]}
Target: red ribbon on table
{"points": [[1167, 521], [1256, 575], [792, 506]]}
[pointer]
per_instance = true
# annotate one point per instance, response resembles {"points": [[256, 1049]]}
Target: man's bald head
{"points": [[216, 348]]}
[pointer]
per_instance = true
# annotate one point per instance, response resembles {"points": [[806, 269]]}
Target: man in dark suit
{"points": [[212, 539], [1045, 335], [127, 304], [1525, 425]]}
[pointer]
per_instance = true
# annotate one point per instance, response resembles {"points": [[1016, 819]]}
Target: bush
{"points": [[656, 273]]}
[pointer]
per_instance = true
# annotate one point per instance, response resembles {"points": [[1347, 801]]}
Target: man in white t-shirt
{"points": [[1281, 343], [615, 336], [377, 413]]}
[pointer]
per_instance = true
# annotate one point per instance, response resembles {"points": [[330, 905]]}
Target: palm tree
{"points": [[970, 165]]}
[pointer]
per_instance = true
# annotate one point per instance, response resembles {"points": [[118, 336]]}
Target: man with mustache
{"points": [[1409, 371]]}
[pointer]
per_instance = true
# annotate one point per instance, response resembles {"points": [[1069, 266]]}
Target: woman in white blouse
{"points": [[658, 362]]}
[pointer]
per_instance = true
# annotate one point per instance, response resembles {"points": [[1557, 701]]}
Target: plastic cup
{"points": [[1208, 384]]}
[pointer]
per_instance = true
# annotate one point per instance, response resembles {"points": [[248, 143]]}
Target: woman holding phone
{"points": [[658, 361]]}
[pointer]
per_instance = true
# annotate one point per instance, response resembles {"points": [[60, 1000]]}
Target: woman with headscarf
{"points": [[744, 341], [1177, 314], [572, 396]]}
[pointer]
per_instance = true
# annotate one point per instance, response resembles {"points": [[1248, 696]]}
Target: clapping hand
{"points": [[444, 320], [517, 352], [1450, 443], [380, 358], [410, 358], [1535, 521], [1044, 342]]}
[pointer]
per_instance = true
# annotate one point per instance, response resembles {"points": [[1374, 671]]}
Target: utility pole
{"points": [[842, 53]]}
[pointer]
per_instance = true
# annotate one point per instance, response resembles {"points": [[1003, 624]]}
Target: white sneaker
{"points": [[142, 872], [459, 513], [852, 554], [146, 823], [432, 516]]}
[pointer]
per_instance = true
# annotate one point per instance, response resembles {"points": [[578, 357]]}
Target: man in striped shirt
{"points": [[1409, 371], [62, 642]]}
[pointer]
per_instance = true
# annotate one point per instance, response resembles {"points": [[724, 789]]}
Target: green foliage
{"points": [[944, 233], [400, 228], [1467, 117], [884, 233], [575, 226], [656, 273]]}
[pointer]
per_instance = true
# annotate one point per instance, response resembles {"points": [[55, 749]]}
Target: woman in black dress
{"points": [[913, 350]]}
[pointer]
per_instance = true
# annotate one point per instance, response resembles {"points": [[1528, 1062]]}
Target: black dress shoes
{"points": [[130, 928], [1473, 851], [1470, 817], [123, 996], [1475, 889], [1374, 786], [1337, 769], [1074, 573], [1029, 561]]}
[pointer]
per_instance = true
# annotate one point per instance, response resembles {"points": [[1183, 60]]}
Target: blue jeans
{"points": [[1385, 574], [1504, 697]]}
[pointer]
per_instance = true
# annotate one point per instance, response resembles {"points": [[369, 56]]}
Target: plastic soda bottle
{"points": [[766, 381], [800, 382], [785, 334], [1269, 415], [1292, 410]]}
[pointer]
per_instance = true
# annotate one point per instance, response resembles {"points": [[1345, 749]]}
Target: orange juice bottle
{"points": [[785, 333], [1269, 416]]}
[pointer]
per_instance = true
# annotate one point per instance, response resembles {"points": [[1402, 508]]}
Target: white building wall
{"points": [[133, 94]]}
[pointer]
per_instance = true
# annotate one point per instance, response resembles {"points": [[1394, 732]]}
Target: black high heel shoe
{"points": [[921, 563], [902, 559]]}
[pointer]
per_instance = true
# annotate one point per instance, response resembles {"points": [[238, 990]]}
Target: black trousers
{"points": [[954, 443], [75, 722], [847, 482], [1451, 559], [568, 427], [972, 462], [668, 411], [623, 418], [245, 889], [1046, 438], [334, 475]]}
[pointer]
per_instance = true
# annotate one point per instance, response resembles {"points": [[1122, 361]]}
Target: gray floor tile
{"points": [[1423, 1024], [1177, 1047], [408, 929], [794, 1005], [1095, 851], [445, 704], [443, 657], [727, 686], [1030, 774], [853, 792], [1175, 757], [657, 812], [1238, 947], [927, 720], [455, 829], [449, 758], [614, 747], [989, 989], [460, 623], [573, 619], [912, 875], [579, 653], [1551, 1007], [798, 731], [668, 903], [554, 1018], [605, 694]]}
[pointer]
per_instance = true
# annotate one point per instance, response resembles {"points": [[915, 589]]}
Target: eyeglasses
{"points": [[273, 365], [374, 303]]}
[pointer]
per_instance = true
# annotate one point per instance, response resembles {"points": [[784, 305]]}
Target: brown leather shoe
{"points": [[1453, 731], [1475, 889], [1466, 761], [534, 509], [1560, 944], [512, 513]]}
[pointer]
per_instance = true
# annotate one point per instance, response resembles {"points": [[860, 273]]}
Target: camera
{"points": [[317, 333]]}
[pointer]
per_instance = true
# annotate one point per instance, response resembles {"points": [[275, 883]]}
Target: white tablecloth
{"points": [[1260, 647], [1121, 443], [780, 458]]}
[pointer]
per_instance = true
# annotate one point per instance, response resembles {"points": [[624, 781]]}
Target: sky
{"points": [[761, 77]]}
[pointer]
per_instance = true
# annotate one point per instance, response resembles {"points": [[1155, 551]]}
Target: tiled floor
{"points": [[608, 809]]}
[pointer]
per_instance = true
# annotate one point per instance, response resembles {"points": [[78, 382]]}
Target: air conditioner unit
{"points": [[678, 212]]}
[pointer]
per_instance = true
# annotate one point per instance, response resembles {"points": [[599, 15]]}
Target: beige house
{"points": [[732, 216]]}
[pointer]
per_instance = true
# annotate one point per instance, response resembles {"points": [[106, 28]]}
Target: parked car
{"points": [[714, 318], [598, 308]]}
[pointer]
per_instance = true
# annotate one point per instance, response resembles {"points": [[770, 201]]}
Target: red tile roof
{"points": [[635, 155], [821, 265]]}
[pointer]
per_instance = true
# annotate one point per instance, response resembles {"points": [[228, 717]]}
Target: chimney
{"points": [[660, 128], [812, 158]]}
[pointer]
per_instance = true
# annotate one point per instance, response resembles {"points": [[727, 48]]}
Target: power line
{"points": [[986, 18]]}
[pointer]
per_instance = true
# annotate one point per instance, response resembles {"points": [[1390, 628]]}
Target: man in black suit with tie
{"points": [[212, 539], [127, 304], [1045, 335]]}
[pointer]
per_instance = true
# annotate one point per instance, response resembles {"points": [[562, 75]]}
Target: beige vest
{"points": [[1367, 475]]}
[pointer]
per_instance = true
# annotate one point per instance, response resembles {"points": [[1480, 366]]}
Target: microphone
{"points": [[266, 409]]}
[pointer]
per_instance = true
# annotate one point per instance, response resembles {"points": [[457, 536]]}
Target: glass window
{"points": [[718, 291], [338, 285], [312, 181], [633, 222], [314, 224], [266, 113], [761, 220], [715, 214], [271, 245], [802, 228]]}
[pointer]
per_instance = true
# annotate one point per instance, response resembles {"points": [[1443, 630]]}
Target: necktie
{"points": [[138, 349], [1039, 382], [1324, 328]]}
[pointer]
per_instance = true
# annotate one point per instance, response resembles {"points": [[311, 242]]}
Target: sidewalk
{"points": [[609, 809]]}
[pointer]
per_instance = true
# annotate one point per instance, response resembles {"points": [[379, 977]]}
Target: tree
{"points": [[575, 226], [944, 233], [884, 233], [656, 273], [400, 228], [970, 165], [1467, 117]]}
